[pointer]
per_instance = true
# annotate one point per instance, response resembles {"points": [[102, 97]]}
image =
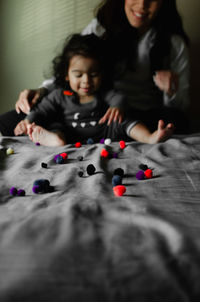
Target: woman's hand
{"points": [[167, 81], [22, 127], [112, 114], [27, 98]]}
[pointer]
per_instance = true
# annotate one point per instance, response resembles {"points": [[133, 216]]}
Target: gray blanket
{"points": [[79, 242]]}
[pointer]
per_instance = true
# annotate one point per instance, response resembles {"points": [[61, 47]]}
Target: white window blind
{"points": [[44, 23]]}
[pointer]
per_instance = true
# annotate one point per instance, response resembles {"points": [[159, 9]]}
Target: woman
{"points": [[148, 48]]}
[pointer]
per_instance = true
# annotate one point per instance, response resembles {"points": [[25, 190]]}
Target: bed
{"points": [[78, 241]]}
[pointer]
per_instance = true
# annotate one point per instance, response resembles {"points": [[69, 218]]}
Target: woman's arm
{"points": [[94, 27], [178, 77]]}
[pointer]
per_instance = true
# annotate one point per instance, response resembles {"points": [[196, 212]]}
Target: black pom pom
{"points": [[80, 158], [44, 165], [91, 169], [119, 171], [143, 167], [80, 173]]}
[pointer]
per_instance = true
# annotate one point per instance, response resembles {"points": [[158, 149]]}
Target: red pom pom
{"points": [[78, 145], [148, 173], [122, 144], [64, 155], [104, 153], [119, 190], [68, 92]]}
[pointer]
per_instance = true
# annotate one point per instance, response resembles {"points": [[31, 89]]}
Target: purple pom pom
{"points": [[140, 175], [115, 155], [36, 189], [102, 140], [55, 157], [13, 191], [21, 192]]}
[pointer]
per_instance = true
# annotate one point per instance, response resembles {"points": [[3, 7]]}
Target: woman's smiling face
{"points": [[140, 13]]}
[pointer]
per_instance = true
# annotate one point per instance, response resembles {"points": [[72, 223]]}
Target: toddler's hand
{"points": [[21, 128], [112, 114], [167, 81]]}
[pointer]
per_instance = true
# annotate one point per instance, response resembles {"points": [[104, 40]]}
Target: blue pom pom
{"points": [[90, 141], [116, 180], [41, 182], [60, 159], [41, 186]]}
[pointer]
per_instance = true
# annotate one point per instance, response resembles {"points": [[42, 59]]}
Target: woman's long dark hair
{"points": [[168, 22]]}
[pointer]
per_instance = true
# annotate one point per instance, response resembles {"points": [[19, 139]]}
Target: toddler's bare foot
{"points": [[46, 138], [162, 133]]}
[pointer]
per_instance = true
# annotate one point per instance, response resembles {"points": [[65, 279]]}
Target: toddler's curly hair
{"points": [[89, 46]]}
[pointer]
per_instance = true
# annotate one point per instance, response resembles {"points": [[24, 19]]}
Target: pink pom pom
{"points": [[119, 190]]}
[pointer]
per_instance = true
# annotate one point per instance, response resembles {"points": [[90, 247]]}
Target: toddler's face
{"points": [[84, 76], [140, 13]]}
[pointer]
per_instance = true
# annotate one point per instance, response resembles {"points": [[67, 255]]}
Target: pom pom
{"points": [[115, 155], [80, 158], [68, 92], [41, 186], [104, 153], [143, 167], [80, 173], [107, 141], [90, 141], [122, 144], [55, 157], [140, 175], [13, 191], [90, 169], [9, 151], [119, 190], [102, 140], [37, 144], [60, 159], [78, 145], [119, 171], [116, 180], [148, 173], [36, 189], [44, 165], [21, 192], [64, 155]]}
